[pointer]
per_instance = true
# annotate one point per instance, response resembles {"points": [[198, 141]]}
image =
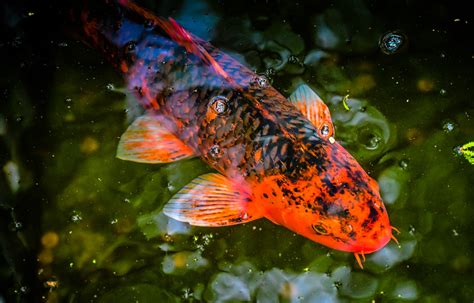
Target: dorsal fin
{"points": [[313, 107]]}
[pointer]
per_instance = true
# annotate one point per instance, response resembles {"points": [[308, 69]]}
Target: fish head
{"points": [[350, 214], [332, 201]]}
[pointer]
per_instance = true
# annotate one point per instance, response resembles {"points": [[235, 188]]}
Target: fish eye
{"points": [[320, 229], [219, 104]]}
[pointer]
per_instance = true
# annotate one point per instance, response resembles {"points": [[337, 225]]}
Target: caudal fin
{"points": [[178, 34]]}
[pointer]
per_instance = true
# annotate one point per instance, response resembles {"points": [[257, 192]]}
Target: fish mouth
{"points": [[360, 252], [370, 246]]}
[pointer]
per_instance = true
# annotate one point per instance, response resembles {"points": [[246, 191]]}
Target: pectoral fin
{"points": [[212, 200], [313, 107], [148, 141]]}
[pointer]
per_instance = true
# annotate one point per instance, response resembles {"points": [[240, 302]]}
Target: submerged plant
{"points": [[467, 150]]}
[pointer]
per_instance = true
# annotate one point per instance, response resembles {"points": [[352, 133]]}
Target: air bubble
{"points": [[130, 46], [372, 141], [149, 24], [457, 150], [23, 289], [324, 130], [16, 226], [263, 81], [76, 217], [448, 126], [392, 42], [214, 151], [403, 164], [219, 104]]}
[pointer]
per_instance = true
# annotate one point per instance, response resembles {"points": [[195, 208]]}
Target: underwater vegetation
{"points": [[466, 151], [80, 225]]}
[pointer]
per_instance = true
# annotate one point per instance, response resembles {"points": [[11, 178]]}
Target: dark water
{"points": [[79, 225]]}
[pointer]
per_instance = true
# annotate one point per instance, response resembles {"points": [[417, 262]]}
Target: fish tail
{"points": [[97, 20], [178, 34]]}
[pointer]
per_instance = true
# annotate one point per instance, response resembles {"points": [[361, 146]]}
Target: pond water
{"points": [[80, 225]]}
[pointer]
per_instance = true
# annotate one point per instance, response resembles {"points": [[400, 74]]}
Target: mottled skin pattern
{"points": [[297, 178]]}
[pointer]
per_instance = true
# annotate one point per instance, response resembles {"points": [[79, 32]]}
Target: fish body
{"points": [[275, 157]]}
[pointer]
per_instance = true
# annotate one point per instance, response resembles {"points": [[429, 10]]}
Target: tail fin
{"points": [[97, 19], [178, 34]]}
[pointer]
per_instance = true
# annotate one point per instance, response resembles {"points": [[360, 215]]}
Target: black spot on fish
{"points": [[373, 214], [279, 182], [365, 224], [322, 204], [343, 213], [332, 189], [287, 192], [139, 90], [352, 235]]}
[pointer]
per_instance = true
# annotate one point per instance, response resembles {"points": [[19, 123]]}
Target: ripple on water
{"points": [[182, 262], [393, 181], [277, 285], [227, 287], [406, 290], [363, 128], [392, 254]]}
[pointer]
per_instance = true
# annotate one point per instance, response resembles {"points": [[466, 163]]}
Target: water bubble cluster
{"points": [[76, 216]]}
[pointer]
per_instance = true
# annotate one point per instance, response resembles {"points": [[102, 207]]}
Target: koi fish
{"points": [[274, 157]]}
